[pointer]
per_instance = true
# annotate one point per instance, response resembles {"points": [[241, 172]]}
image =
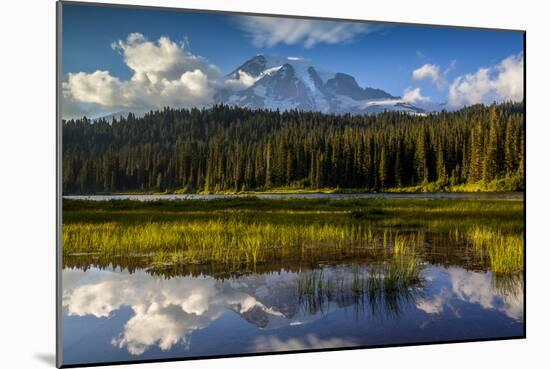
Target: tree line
{"points": [[227, 148]]}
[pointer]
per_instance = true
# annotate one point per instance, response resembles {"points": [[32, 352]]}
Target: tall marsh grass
{"points": [[231, 242], [383, 286], [505, 251], [245, 232]]}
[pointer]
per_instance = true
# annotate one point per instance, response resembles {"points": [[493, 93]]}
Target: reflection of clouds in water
{"points": [[474, 288], [165, 311], [311, 341], [435, 304], [479, 288], [163, 326], [102, 293], [92, 293]]}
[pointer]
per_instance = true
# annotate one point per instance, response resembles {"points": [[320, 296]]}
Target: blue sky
{"points": [[377, 55]]}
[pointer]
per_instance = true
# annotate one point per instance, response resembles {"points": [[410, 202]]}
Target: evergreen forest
{"points": [[230, 149]]}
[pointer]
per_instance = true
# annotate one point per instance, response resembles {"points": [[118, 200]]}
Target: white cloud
{"points": [[474, 288], [98, 87], [163, 326], [310, 341], [164, 73], [413, 95], [501, 82], [429, 71], [165, 311], [479, 288], [270, 31], [244, 80], [163, 59], [433, 305]]}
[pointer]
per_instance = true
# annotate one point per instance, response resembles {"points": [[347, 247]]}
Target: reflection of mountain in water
{"points": [[168, 311]]}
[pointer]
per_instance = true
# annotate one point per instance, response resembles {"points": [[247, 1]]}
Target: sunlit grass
{"points": [[505, 251], [226, 241], [242, 233]]}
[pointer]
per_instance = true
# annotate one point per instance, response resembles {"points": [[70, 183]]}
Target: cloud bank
{"points": [[503, 81], [164, 73], [500, 82], [270, 31]]}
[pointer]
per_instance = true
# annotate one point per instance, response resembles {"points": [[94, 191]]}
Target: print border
{"points": [[59, 177]]}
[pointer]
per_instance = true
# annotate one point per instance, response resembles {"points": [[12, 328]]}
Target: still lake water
{"points": [[518, 196], [113, 315], [134, 313]]}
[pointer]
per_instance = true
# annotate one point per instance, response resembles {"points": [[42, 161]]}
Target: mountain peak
{"points": [[275, 82], [286, 70]]}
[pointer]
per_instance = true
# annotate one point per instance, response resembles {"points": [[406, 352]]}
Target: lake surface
{"points": [[112, 314], [516, 196], [210, 280]]}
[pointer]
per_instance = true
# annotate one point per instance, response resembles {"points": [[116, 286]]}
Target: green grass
{"points": [[384, 285], [242, 233], [440, 213], [510, 184], [232, 242], [507, 184], [505, 251]]}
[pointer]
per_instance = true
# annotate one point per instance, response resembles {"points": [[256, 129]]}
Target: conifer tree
{"points": [[227, 149], [491, 157]]}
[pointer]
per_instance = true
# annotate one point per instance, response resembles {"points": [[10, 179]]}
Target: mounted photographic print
{"points": [[240, 184]]}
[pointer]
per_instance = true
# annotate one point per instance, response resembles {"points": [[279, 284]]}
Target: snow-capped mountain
{"points": [[273, 82]]}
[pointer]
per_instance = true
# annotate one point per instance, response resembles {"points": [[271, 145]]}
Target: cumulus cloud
{"points": [[413, 95], [430, 72], [162, 59], [270, 31], [164, 73], [98, 87], [501, 82]]}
